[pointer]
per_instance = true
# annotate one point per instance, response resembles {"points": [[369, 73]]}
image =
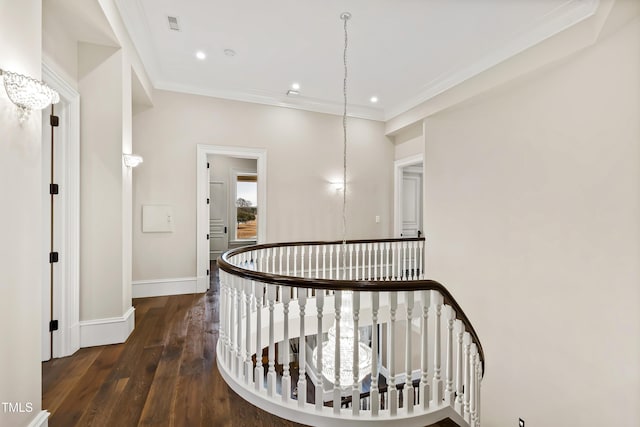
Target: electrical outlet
{"points": [[520, 422]]}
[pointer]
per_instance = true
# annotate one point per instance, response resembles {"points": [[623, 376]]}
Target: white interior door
{"points": [[218, 230], [411, 202]]}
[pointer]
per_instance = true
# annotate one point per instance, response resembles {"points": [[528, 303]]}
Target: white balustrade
{"points": [[446, 359]]}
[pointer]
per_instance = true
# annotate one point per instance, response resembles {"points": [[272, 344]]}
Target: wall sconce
{"points": [[337, 186], [132, 160], [28, 93]]}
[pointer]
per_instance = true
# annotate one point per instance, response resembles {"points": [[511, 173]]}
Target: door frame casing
{"points": [[398, 167], [66, 340], [202, 210]]}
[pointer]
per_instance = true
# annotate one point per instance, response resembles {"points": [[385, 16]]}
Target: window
{"points": [[246, 207]]}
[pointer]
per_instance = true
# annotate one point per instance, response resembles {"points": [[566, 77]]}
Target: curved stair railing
{"points": [[279, 301]]}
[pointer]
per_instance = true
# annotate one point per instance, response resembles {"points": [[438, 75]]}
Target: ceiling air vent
{"points": [[173, 23]]}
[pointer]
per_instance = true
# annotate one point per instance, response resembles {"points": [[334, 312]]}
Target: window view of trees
{"points": [[246, 208]]}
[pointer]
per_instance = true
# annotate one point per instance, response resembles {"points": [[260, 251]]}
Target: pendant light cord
{"points": [[345, 17]]}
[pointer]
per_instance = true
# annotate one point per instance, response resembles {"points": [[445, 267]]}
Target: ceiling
{"points": [[402, 51]]}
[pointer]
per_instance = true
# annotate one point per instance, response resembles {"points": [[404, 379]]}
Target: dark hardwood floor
{"points": [[164, 375]]}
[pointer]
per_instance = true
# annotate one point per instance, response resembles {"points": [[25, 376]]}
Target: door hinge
{"points": [[53, 257], [53, 325], [225, 230], [207, 200], [207, 237], [207, 272], [207, 165], [54, 120], [53, 188]]}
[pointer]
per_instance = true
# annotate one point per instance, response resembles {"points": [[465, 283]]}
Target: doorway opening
{"points": [[225, 175], [408, 196], [61, 254]]}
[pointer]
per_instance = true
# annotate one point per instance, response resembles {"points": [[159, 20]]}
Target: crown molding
{"points": [[565, 16], [276, 100]]}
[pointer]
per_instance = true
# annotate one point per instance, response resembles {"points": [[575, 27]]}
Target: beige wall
{"points": [[304, 154], [21, 244], [409, 142], [532, 212]]}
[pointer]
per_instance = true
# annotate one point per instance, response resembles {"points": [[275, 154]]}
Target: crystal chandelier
{"points": [[349, 336], [28, 93]]}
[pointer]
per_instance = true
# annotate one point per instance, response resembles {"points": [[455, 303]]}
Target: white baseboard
{"points": [[41, 420], [162, 287], [112, 330]]}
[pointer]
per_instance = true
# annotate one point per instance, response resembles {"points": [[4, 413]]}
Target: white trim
{"points": [[202, 193], [69, 302], [41, 420], [398, 165], [110, 330], [162, 287], [562, 18]]}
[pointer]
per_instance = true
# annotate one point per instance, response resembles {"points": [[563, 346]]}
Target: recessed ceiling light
{"points": [[373, 99], [295, 86], [230, 52], [200, 55], [293, 93]]}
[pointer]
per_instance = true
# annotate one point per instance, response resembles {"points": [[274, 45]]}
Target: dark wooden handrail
{"points": [[347, 285]]}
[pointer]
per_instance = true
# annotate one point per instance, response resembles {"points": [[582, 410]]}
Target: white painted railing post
{"points": [[449, 393], [223, 313], [355, 389], [474, 379], [337, 394], [271, 373], [237, 305], [302, 347], [259, 371], [425, 391], [437, 386], [408, 387], [375, 397], [459, 405], [467, 376], [248, 364], [319, 309], [286, 376], [392, 392]]}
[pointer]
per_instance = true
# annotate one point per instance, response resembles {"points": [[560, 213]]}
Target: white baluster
{"points": [[449, 394], [319, 308], [248, 363], [286, 377], [369, 246], [375, 397], [459, 406], [330, 261], [437, 386], [467, 376], [355, 389], [386, 249], [408, 387], [474, 379], [421, 259], [350, 263], [324, 263], [238, 308], [392, 391], [271, 373], [302, 348], [478, 393], [425, 390], [224, 277], [259, 370], [337, 395], [403, 273], [376, 272]]}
